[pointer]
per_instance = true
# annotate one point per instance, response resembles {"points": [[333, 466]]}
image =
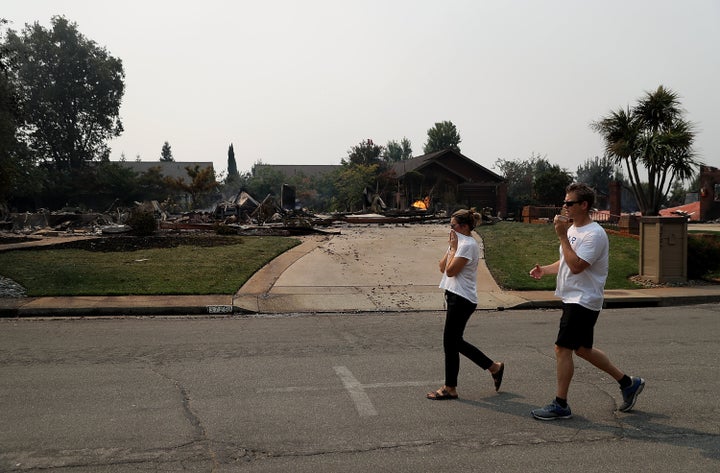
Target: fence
{"points": [[625, 223]]}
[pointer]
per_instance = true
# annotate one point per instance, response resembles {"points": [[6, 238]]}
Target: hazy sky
{"points": [[304, 81]]}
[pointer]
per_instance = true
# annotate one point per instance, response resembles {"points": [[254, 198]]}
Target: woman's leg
{"points": [[459, 311]]}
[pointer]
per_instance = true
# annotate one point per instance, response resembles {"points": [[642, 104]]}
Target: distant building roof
{"points": [[174, 169], [692, 210], [451, 161], [307, 170]]}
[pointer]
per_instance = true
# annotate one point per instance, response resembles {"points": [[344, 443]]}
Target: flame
{"points": [[421, 204]]}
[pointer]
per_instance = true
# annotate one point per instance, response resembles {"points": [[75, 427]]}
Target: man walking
{"points": [[581, 273]]}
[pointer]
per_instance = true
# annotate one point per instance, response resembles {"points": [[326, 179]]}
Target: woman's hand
{"points": [[452, 241]]}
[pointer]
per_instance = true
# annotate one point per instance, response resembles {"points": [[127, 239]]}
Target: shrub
{"points": [[142, 222], [703, 255]]}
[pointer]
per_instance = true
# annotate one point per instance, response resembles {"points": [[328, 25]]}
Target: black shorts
{"points": [[577, 326]]}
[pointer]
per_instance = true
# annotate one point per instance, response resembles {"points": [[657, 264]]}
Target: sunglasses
{"points": [[570, 203]]}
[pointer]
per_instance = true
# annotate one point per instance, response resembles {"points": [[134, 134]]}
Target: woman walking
{"points": [[459, 280]]}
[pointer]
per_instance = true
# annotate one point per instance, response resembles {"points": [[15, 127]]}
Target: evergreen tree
{"points": [[166, 153], [232, 165]]}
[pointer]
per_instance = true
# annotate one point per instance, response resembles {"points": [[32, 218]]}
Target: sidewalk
{"points": [[363, 269]]}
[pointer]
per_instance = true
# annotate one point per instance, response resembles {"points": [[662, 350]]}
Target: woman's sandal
{"points": [[497, 377], [441, 395]]}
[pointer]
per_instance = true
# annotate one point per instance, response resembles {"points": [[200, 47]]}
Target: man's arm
{"points": [[539, 271], [574, 262]]}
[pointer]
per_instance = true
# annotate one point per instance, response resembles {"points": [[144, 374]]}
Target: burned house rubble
{"points": [[242, 214]]}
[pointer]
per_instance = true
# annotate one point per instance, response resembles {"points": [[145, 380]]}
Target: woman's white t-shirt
{"points": [[590, 242], [464, 284]]}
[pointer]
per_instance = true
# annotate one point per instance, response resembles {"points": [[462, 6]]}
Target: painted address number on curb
{"points": [[220, 309]]}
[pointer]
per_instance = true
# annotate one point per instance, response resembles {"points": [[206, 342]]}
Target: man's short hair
{"points": [[583, 193]]}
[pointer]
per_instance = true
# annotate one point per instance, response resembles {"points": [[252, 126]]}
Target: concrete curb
{"points": [[224, 306], [318, 276]]}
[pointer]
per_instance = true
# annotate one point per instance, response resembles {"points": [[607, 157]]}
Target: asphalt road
{"points": [[347, 393]]}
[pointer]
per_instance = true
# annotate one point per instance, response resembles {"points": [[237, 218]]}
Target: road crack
{"points": [[200, 433]]}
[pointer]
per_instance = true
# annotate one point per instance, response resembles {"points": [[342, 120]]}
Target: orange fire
{"points": [[421, 204]]}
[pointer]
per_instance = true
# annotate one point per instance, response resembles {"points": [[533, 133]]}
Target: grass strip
{"points": [[185, 269], [513, 248]]}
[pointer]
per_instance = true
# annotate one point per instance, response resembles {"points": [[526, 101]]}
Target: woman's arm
{"points": [[444, 260], [455, 265]]}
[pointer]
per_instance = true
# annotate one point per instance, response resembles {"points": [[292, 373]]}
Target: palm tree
{"points": [[653, 135]]}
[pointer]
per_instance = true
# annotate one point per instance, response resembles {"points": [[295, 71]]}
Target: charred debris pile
{"points": [[241, 215]]}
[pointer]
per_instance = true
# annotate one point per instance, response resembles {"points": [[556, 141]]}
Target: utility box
{"points": [[663, 249]]}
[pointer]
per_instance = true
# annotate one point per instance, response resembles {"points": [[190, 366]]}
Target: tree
{"points": [[264, 180], [202, 181], [114, 183], [677, 194], [166, 153], [325, 187], [9, 119], [598, 173], [366, 153], [152, 185], [550, 183], [69, 93], [232, 165], [653, 135], [395, 151], [519, 176], [442, 136], [534, 181], [352, 180], [20, 178]]}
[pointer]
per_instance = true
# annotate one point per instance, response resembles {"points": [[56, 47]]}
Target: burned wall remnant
{"points": [[709, 193]]}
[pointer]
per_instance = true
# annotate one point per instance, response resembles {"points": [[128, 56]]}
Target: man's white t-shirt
{"points": [[464, 284], [590, 242]]}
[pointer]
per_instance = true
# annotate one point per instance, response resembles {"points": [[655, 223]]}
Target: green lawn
{"points": [[181, 270], [513, 248]]}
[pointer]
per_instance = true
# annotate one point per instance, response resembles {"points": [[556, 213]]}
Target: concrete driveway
{"points": [[363, 269]]}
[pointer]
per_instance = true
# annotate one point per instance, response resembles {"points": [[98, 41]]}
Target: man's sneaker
{"points": [[631, 393], [552, 411]]}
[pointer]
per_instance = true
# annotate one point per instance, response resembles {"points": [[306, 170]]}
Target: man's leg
{"points": [[565, 370], [630, 387], [559, 408], [600, 360]]}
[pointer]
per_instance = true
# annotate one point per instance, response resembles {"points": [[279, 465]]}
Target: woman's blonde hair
{"points": [[469, 217]]}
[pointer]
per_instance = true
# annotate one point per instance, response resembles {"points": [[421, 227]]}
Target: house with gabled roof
{"points": [[449, 178]]}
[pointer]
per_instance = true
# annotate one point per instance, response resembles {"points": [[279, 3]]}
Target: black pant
{"points": [[459, 311]]}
